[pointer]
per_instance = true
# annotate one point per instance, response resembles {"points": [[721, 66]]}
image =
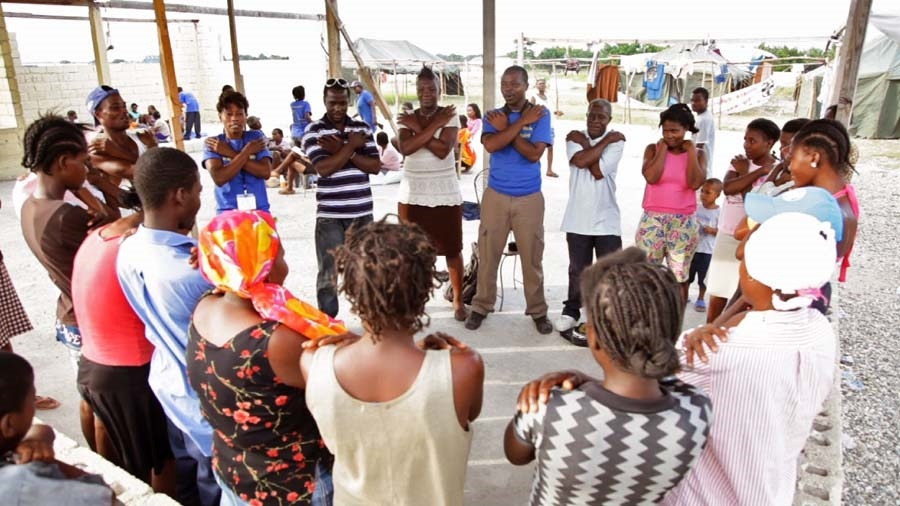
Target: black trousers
{"points": [[191, 119], [582, 251]]}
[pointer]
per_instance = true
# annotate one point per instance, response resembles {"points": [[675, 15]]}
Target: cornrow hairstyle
{"points": [[475, 108], [831, 140], [766, 127], [387, 272], [703, 92], [160, 171], [793, 126], [50, 137], [635, 310], [232, 98], [16, 379], [681, 114]]}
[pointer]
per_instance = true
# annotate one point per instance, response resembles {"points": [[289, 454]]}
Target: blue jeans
{"points": [[195, 482], [330, 234], [322, 496]]}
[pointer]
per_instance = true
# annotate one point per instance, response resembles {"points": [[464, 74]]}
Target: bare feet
{"points": [[550, 173], [460, 314]]}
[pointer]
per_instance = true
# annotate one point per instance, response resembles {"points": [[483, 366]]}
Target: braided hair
{"points": [[387, 272], [50, 137], [831, 140], [635, 310], [681, 114]]}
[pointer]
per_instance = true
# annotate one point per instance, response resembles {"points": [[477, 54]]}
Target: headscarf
{"points": [[237, 252]]}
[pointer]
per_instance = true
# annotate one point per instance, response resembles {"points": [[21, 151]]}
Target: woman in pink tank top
{"points": [[674, 170]]}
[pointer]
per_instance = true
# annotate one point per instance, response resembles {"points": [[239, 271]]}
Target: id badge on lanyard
{"points": [[246, 201]]}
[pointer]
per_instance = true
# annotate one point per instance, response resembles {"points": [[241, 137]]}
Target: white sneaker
{"points": [[564, 323]]}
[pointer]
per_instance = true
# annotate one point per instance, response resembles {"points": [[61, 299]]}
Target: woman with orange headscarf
{"points": [[244, 352]]}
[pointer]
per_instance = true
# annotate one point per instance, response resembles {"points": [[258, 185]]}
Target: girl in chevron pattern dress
{"points": [[629, 438]]}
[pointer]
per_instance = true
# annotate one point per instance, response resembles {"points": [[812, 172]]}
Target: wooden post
{"points": [[99, 39], [396, 90], [12, 82], [168, 72], [334, 38], [489, 74], [235, 55], [846, 71]]}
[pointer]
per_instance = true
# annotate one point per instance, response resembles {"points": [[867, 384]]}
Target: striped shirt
{"points": [[596, 447], [346, 193], [767, 382]]}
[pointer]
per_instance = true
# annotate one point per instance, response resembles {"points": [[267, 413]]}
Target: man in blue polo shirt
{"points": [[365, 105], [191, 113], [516, 136], [153, 267]]}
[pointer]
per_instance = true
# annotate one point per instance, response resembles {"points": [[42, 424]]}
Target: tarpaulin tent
{"points": [[403, 57], [876, 104], [685, 66]]}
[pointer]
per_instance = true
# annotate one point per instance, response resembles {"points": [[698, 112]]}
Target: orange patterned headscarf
{"points": [[237, 252]]}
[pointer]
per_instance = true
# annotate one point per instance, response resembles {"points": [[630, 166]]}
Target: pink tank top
{"points": [[671, 194], [850, 192]]}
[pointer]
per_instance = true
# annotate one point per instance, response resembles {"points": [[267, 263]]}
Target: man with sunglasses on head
{"points": [[343, 153]]}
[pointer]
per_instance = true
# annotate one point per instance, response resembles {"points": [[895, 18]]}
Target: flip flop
{"points": [[45, 403]]}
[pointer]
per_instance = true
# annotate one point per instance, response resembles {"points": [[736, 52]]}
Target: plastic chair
{"points": [[510, 251]]}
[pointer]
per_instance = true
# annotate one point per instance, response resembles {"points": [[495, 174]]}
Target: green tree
{"points": [[629, 48], [451, 57]]}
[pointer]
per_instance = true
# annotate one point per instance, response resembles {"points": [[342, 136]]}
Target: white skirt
{"points": [[723, 277]]}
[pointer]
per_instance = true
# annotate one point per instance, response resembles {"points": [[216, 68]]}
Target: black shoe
{"points": [[543, 325], [442, 276], [576, 335], [474, 320]]}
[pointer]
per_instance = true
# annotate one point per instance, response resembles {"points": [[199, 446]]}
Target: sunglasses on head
{"points": [[337, 82]]}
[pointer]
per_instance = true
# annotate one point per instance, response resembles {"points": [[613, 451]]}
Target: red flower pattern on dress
{"points": [[240, 395]]}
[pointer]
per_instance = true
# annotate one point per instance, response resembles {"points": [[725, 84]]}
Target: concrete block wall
{"points": [[62, 87]]}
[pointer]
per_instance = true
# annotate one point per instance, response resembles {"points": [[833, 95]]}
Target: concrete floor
{"points": [[513, 351]]}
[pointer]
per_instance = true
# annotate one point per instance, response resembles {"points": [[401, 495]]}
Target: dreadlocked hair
{"points": [[831, 139], [50, 137], [635, 310], [387, 272], [681, 114]]}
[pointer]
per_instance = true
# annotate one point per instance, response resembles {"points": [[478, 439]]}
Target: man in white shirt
{"points": [[706, 137], [592, 221]]}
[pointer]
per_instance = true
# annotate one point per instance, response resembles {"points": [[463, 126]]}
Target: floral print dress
{"points": [[265, 441]]}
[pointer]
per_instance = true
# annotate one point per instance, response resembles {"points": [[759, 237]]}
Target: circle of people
{"points": [[202, 375]]}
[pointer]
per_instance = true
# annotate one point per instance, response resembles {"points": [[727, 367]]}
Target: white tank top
{"points": [[408, 451]]}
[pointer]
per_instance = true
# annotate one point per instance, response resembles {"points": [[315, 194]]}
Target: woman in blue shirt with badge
{"points": [[238, 159]]}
